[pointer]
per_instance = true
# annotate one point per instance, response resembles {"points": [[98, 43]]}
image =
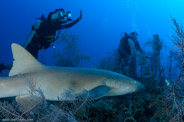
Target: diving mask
{"points": [[68, 15]]}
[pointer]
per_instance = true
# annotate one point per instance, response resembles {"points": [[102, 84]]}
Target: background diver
{"points": [[44, 31], [124, 49]]}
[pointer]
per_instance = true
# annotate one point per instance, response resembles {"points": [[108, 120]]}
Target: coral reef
{"points": [[46, 110], [169, 104], [178, 41], [154, 55], [110, 62], [70, 54], [161, 99]]}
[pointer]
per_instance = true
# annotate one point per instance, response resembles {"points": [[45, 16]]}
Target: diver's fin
{"points": [[99, 91], [23, 62], [28, 102]]}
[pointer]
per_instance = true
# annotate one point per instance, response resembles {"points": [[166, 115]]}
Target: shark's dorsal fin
{"points": [[23, 62]]}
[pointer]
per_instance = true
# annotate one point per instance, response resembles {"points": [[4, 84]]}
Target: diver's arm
{"points": [[137, 46], [72, 23]]}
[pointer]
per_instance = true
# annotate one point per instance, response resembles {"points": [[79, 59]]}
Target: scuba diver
{"points": [[127, 53], [124, 49], [44, 31]]}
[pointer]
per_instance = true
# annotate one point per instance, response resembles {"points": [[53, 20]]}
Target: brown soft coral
{"points": [[178, 41]]}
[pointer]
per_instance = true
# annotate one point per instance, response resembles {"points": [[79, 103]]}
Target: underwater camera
{"points": [[69, 15]]}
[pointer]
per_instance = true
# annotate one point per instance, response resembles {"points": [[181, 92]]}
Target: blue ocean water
{"points": [[101, 25], [99, 32]]}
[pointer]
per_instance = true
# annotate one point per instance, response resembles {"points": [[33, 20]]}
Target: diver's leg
{"points": [[32, 49], [3, 67]]}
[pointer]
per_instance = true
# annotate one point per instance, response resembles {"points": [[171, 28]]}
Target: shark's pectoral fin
{"points": [[28, 102], [99, 91]]}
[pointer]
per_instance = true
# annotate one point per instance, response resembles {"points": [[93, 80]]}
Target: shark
{"points": [[53, 80]]}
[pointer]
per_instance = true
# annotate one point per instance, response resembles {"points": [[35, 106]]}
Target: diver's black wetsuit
{"points": [[45, 34], [124, 47]]}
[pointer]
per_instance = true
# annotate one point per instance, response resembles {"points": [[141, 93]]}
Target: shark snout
{"points": [[140, 86], [135, 86]]}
